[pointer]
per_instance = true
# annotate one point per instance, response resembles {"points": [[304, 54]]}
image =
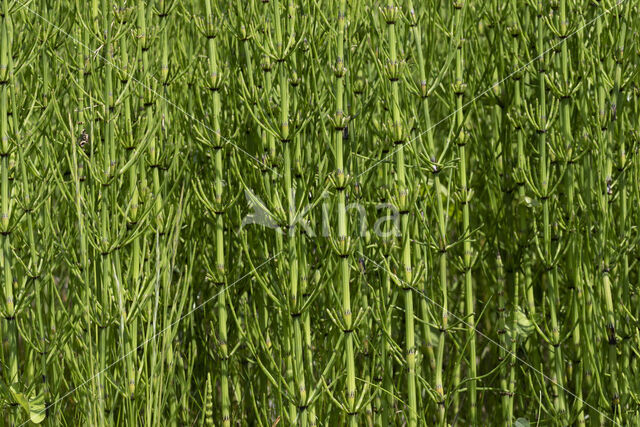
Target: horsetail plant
{"points": [[459, 87], [403, 202], [186, 239], [342, 243]]}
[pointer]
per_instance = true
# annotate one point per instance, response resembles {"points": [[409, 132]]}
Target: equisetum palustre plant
{"points": [[328, 212]]}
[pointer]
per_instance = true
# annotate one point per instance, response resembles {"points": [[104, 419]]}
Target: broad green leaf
{"points": [[34, 406], [37, 409], [19, 398], [524, 326]]}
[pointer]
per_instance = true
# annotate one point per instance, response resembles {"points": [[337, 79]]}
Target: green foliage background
{"points": [[182, 191]]}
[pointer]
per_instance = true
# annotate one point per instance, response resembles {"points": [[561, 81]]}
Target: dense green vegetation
{"points": [[325, 212]]}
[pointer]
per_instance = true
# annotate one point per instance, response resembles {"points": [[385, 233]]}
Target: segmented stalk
{"points": [[403, 202], [565, 89], [7, 263], [436, 169], [607, 117], [619, 117], [465, 195], [544, 178], [343, 240], [221, 279], [520, 225]]}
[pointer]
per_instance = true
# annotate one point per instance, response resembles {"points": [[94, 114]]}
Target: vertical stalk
{"points": [[293, 237], [343, 241], [6, 79], [78, 175], [520, 227], [619, 111], [544, 179], [459, 88], [221, 280], [606, 141], [430, 149], [107, 198], [130, 329], [403, 203], [565, 89]]}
